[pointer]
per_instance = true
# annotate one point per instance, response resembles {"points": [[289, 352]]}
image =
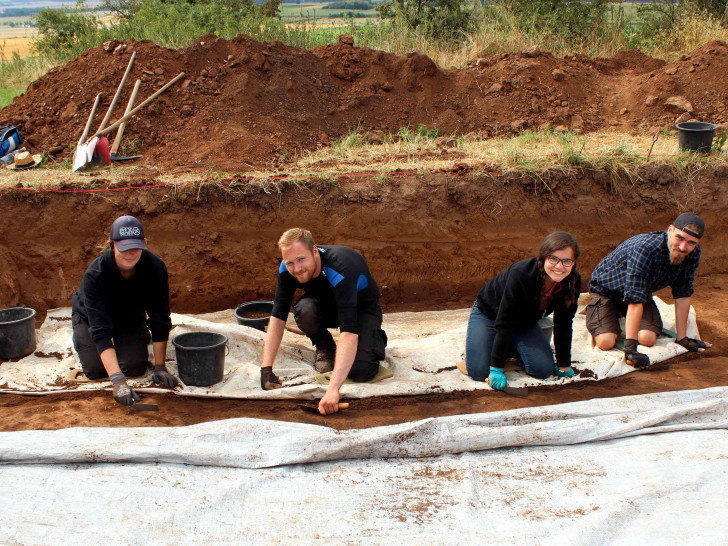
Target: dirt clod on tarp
{"points": [[245, 103]]}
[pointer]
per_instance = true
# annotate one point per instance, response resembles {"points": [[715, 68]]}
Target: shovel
{"points": [[120, 133], [142, 105], [315, 410], [77, 164], [80, 156]]}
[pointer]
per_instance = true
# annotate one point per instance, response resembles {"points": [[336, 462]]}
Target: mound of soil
{"points": [[243, 103]]}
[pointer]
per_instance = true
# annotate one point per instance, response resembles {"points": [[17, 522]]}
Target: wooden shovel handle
{"points": [[107, 117], [129, 106], [90, 119], [343, 405], [142, 105]]}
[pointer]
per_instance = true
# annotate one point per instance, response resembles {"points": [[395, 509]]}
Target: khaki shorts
{"points": [[602, 316]]}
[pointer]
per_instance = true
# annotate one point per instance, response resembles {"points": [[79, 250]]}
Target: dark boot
{"points": [[325, 355]]}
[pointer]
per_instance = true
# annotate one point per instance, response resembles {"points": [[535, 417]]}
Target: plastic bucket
{"points": [[17, 332], [696, 136], [254, 314], [200, 357]]}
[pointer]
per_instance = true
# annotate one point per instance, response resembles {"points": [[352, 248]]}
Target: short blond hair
{"points": [[294, 235]]}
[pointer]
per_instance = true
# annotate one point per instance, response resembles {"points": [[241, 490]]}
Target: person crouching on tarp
{"points": [[123, 295], [506, 314]]}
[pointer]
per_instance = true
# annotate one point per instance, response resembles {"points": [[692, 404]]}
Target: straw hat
{"points": [[24, 160]]}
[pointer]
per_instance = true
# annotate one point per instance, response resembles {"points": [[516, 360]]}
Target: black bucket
{"points": [[17, 332], [251, 314], [696, 136], [200, 358]]}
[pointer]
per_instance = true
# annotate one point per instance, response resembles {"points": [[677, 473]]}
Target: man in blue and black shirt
{"points": [[623, 283], [339, 292]]}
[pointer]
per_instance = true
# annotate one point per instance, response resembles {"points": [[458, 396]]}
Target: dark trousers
{"points": [[314, 319], [132, 349]]}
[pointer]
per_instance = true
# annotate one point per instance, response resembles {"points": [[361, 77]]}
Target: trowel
{"points": [[315, 410], [141, 406]]}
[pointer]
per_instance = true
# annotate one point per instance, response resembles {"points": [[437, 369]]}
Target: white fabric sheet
{"points": [[423, 351], [658, 478]]}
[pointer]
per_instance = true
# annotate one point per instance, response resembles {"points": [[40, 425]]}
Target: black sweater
{"points": [[111, 303], [345, 283], [512, 300]]}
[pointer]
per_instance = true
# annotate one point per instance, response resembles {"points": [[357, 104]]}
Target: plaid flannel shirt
{"points": [[640, 266]]}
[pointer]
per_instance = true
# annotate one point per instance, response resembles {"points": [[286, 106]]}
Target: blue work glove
{"points": [[498, 379], [559, 373], [162, 377]]}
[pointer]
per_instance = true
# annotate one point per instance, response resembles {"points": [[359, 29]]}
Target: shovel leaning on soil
{"points": [[120, 133], [121, 120], [80, 155]]}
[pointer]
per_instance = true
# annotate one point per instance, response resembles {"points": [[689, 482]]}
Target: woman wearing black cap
{"points": [[123, 295]]}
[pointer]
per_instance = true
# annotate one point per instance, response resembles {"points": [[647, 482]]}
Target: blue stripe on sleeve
{"points": [[282, 268], [361, 283], [334, 276]]}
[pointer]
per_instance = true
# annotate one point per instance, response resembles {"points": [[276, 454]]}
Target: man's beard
{"points": [[676, 258]]}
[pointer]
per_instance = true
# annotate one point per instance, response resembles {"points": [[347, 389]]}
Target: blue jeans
{"points": [[533, 350]]}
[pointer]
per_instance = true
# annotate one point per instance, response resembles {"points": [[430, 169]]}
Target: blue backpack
{"points": [[9, 139]]}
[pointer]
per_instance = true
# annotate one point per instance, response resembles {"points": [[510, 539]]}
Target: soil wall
{"points": [[431, 241]]}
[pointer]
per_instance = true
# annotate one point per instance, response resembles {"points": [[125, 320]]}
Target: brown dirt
{"points": [[431, 241], [244, 103]]}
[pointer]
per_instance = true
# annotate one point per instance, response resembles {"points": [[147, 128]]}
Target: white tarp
{"points": [[423, 351], [518, 477]]}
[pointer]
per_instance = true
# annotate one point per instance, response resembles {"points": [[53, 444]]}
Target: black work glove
{"points": [[123, 394], [163, 378], [638, 360], [691, 344], [269, 380]]}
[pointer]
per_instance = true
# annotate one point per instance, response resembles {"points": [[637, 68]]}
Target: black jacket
{"points": [[111, 304], [345, 283], [512, 301]]}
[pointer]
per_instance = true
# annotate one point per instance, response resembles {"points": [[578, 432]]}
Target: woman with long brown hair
{"points": [[506, 314]]}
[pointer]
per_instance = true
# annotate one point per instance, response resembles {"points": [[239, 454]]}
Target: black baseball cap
{"points": [[687, 218], [127, 233]]}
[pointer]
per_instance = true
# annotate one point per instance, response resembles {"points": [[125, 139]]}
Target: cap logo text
{"points": [[129, 232]]}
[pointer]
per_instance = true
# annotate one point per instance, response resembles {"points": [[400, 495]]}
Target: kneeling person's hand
{"points": [[163, 378], [269, 380], [498, 379], [693, 345], [567, 371], [123, 393], [638, 360]]}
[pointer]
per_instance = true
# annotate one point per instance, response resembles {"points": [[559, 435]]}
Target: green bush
{"points": [[350, 5], [439, 19]]}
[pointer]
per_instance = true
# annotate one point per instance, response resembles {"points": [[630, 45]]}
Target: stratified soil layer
{"points": [[244, 103], [431, 241]]}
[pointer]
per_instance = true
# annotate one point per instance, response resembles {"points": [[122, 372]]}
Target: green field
{"points": [[315, 14]]}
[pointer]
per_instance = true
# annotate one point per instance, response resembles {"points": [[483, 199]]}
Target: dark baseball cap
{"points": [[127, 233], [688, 218]]}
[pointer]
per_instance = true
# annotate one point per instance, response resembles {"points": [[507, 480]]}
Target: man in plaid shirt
{"points": [[623, 283]]}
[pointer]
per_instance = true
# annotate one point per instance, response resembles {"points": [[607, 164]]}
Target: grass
{"points": [[532, 153], [7, 94]]}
